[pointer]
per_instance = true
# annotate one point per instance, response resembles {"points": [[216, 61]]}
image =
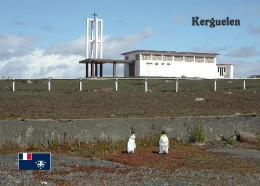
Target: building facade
{"points": [[148, 63], [225, 70]]}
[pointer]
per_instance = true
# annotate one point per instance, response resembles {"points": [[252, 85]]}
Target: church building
{"points": [[151, 63]]}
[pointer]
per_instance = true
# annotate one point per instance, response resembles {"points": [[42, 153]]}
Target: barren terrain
{"points": [[106, 163], [99, 99]]}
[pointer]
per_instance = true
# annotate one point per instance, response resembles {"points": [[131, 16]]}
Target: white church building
{"points": [[150, 63]]}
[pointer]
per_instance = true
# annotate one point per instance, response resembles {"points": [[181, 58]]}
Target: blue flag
{"points": [[34, 161]]}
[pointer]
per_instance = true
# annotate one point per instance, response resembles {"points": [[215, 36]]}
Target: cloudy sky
{"points": [[40, 39]]}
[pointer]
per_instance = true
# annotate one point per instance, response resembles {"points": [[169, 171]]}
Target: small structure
{"points": [[94, 63], [225, 70]]}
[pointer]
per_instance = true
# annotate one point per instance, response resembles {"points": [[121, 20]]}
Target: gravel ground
{"points": [[68, 170], [239, 153]]}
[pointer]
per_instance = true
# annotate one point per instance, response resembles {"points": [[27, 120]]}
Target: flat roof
{"points": [[105, 61], [167, 52], [224, 64]]}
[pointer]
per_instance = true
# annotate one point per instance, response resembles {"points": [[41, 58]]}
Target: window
{"points": [[137, 56], [167, 58], [156, 63], [148, 63], [189, 58], [209, 59], [221, 71], [168, 64], [162, 63], [199, 59], [178, 58], [157, 57], [146, 57]]}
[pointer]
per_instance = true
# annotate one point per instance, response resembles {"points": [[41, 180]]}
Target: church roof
{"points": [[168, 52], [224, 64], [105, 61]]}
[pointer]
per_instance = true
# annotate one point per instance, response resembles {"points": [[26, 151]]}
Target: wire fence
{"points": [[129, 84]]}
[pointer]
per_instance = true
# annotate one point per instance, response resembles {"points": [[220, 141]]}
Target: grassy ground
{"points": [[181, 154], [99, 99]]}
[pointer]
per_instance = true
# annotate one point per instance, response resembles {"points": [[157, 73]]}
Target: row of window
{"points": [[176, 58], [149, 63]]}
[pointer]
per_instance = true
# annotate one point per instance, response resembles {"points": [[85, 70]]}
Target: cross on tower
{"points": [[94, 15]]}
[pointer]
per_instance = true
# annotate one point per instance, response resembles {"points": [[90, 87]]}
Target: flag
{"points": [[34, 161]]}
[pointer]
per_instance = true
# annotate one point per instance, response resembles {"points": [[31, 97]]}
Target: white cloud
{"points": [[244, 52], [203, 48], [15, 45], [254, 29], [114, 46], [245, 69], [74, 47], [20, 59], [36, 64]]}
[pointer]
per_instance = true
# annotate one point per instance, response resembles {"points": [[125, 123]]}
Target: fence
{"points": [[211, 84]]}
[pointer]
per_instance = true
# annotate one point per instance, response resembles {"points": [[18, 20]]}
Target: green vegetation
{"points": [[95, 148], [230, 140], [147, 141], [199, 134], [99, 99]]}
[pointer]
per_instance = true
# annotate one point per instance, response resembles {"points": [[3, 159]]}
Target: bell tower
{"points": [[94, 40]]}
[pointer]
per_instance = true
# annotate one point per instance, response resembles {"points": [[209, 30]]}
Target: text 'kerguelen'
{"points": [[196, 21]]}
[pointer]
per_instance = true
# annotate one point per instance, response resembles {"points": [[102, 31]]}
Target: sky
{"points": [[42, 39]]}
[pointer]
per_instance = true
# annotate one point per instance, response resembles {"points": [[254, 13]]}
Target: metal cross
{"points": [[94, 15]]}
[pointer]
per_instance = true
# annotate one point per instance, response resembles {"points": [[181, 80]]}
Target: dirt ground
{"points": [[185, 164], [99, 99]]}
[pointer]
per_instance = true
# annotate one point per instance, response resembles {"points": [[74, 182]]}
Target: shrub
{"points": [[228, 140], [199, 134]]}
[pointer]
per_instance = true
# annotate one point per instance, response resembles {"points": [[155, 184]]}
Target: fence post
{"points": [[244, 84], [13, 85], [80, 85], [177, 85], [215, 85], [116, 84], [145, 85], [49, 85]]}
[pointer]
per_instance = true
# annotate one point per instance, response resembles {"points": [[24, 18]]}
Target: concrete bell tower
{"points": [[94, 40]]}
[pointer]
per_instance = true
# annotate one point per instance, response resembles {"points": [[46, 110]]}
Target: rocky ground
{"points": [[192, 166]]}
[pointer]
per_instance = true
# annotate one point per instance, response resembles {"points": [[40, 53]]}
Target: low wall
{"points": [[36, 131]]}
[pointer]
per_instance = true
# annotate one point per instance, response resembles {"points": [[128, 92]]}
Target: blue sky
{"points": [[41, 39]]}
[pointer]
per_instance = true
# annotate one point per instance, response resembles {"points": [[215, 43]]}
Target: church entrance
{"points": [[131, 70]]}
